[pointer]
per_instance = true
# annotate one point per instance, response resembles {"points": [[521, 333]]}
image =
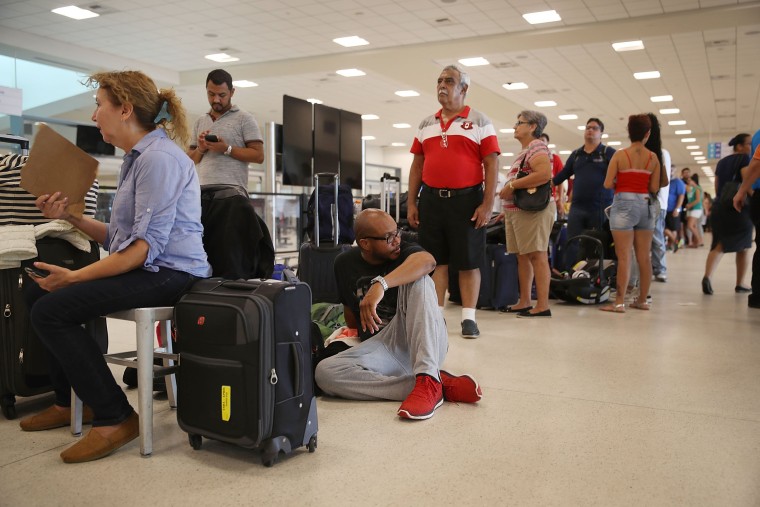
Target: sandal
{"points": [[613, 308], [639, 305]]}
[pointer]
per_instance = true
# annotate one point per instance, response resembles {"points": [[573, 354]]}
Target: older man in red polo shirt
{"points": [[455, 156]]}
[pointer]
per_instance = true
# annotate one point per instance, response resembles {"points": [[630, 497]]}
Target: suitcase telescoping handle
{"points": [[385, 194], [333, 208]]}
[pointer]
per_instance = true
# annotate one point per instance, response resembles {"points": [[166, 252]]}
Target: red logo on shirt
{"points": [[201, 320], [467, 125]]}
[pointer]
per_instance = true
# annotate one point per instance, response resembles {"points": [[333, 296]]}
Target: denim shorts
{"points": [[631, 211]]}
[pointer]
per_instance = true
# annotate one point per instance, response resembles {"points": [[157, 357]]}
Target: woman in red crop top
{"points": [[634, 174]]}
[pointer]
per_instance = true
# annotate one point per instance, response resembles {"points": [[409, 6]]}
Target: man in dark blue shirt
{"points": [[589, 166]]}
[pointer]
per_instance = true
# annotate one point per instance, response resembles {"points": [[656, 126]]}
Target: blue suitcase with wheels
{"points": [[245, 374]]}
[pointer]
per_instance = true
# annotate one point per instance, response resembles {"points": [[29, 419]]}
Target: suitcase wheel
{"points": [[312, 445], [196, 441], [269, 459], [8, 403]]}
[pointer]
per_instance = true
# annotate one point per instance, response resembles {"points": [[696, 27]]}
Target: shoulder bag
{"points": [[730, 188], [535, 198]]}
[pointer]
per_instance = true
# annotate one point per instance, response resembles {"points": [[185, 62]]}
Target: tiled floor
{"points": [[586, 408]]}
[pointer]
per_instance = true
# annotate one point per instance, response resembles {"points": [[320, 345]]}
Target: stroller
{"points": [[590, 278]]}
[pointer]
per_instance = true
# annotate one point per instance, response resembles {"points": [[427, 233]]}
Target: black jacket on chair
{"points": [[236, 239]]}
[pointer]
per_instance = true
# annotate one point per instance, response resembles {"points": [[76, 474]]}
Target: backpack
{"points": [[345, 214]]}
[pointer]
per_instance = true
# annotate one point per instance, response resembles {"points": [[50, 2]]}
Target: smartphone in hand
{"points": [[36, 272], [211, 138]]}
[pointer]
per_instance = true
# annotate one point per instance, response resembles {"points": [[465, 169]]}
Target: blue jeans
{"points": [[77, 360], [579, 220], [659, 264]]}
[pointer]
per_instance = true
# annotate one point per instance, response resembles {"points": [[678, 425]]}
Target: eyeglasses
{"points": [[593, 127], [388, 238], [521, 123]]}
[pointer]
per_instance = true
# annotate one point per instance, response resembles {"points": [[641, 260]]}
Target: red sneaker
{"points": [[421, 403], [461, 389]]}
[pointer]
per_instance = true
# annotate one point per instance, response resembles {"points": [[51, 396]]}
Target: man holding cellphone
{"points": [[226, 139]]}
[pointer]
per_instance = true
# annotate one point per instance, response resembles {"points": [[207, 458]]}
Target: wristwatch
{"points": [[379, 279], [228, 152]]}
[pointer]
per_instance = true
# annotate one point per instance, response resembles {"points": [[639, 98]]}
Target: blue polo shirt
{"points": [[589, 169], [677, 187], [158, 199]]}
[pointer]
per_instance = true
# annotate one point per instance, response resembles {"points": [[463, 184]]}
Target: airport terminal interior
{"points": [[585, 408], [655, 408]]}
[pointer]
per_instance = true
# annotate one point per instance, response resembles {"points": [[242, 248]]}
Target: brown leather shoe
{"points": [[94, 446], [53, 418]]}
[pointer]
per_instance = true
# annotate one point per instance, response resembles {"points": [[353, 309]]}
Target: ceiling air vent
{"points": [[439, 22], [724, 100], [505, 65], [546, 91], [100, 9], [721, 43], [721, 77]]}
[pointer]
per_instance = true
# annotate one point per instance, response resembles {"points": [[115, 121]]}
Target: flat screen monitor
{"points": [[326, 139], [351, 149], [91, 141], [297, 141]]}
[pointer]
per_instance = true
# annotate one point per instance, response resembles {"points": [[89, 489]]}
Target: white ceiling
{"points": [[705, 50]]}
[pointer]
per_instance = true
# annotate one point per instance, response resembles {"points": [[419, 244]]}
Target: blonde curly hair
{"points": [[135, 88]]}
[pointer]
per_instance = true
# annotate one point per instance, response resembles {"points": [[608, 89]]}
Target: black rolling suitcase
{"points": [[23, 358], [245, 367], [315, 261], [498, 280]]}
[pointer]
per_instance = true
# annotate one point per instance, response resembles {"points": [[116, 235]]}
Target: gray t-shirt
{"points": [[236, 127]]}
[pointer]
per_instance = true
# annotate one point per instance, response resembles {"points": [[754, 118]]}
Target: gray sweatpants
{"points": [[384, 366]]}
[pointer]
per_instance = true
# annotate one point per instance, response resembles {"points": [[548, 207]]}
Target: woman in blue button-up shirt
{"points": [[155, 250]]}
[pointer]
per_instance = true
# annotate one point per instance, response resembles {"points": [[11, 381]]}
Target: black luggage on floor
{"points": [[23, 358], [590, 277], [246, 367], [315, 260], [498, 280]]}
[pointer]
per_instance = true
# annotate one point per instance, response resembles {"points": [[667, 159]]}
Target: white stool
{"points": [[144, 319]]}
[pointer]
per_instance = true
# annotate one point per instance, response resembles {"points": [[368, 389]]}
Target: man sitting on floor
{"points": [[388, 296]]}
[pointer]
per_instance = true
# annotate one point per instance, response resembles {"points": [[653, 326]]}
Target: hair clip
{"points": [[163, 114]]}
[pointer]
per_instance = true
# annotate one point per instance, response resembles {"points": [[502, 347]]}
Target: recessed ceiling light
{"points": [[507, 167], [314, 101], [349, 42], [605, 136], [652, 74], [693, 147], [683, 132], [244, 83], [565, 152], [613, 143], [407, 93], [677, 122], [695, 153], [350, 72], [474, 62], [706, 168], [368, 138], [631, 45], [568, 117], [545, 103], [398, 144], [673, 110], [535, 18], [508, 154], [401, 126], [370, 117], [74, 12], [662, 98], [581, 127], [515, 86], [551, 145], [507, 131], [221, 58], [688, 139]]}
